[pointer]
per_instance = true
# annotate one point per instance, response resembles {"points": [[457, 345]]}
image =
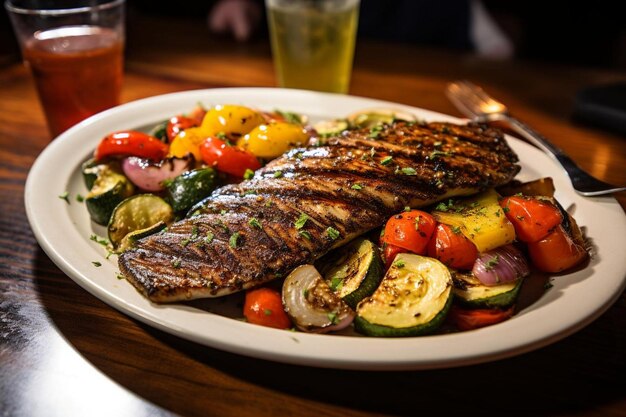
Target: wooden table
{"points": [[64, 353]]}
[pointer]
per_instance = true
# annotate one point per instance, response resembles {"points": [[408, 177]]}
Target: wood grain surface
{"points": [[65, 353]]}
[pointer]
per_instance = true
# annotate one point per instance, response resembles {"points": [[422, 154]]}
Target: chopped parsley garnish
{"points": [[436, 154], [221, 135], [99, 240], [336, 283], [548, 285], [357, 187], [209, 237], [407, 208], [194, 232], [65, 196], [120, 276], [399, 264], [255, 223], [234, 240], [456, 230], [299, 224], [185, 242], [442, 207], [268, 203], [176, 263], [290, 117], [267, 312], [477, 229], [408, 171], [304, 234], [96, 264], [278, 174], [375, 131], [249, 174], [332, 233], [506, 209], [305, 292], [80, 198], [332, 317], [491, 263], [386, 160]]}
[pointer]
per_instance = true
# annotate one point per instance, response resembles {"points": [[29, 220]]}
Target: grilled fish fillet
{"points": [[289, 214]]}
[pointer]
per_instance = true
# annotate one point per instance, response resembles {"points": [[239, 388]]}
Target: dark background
{"points": [[588, 34]]}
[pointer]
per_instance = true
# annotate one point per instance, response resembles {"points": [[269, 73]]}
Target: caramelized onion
{"points": [[311, 304], [149, 176], [501, 265]]}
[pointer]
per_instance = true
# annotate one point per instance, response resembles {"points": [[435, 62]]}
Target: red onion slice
{"points": [[311, 304], [501, 265], [149, 176]]}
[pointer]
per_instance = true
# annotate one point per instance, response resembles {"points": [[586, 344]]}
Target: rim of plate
{"points": [[575, 300]]}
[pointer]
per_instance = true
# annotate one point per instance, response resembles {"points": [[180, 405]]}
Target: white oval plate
{"points": [[63, 231]]}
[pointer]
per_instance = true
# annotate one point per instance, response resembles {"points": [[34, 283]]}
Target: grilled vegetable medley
{"points": [[435, 265]]}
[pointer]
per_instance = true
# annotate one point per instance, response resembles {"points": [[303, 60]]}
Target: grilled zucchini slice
{"points": [[470, 292], [353, 271], [413, 299], [107, 191], [136, 217], [190, 187]]}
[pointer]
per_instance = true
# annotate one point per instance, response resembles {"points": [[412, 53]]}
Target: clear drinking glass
{"points": [[313, 42], [75, 52]]}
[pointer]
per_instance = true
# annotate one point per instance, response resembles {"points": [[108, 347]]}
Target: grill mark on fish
{"points": [[319, 181]]}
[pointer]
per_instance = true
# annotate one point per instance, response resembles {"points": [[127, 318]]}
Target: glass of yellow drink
{"points": [[313, 42]]}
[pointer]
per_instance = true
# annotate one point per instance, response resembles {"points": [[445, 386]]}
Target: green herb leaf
{"points": [[278, 174], [332, 317], [120, 276], [304, 234], [436, 154], [80, 198], [99, 240], [234, 240], [194, 232], [336, 283], [249, 174], [96, 263], [399, 264], [267, 312], [290, 117], [491, 263], [255, 223], [386, 160], [299, 224], [408, 171], [176, 263], [221, 135], [407, 208], [456, 230], [357, 187], [65, 196], [209, 237], [332, 233]]}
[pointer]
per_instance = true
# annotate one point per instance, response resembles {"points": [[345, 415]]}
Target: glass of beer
{"points": [[313, 42], [75, 52]]}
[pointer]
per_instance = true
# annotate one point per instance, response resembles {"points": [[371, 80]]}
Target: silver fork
{"points": [[472, 101]]}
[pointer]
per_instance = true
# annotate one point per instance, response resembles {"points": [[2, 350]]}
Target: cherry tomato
{"points": [[410, 230], [532, 218], [264, 306], [556, 252], [453, 249], [390, 252], [177, 124], [466, 319], [131, 143], [227, 158]]}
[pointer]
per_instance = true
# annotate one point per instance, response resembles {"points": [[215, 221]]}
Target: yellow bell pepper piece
{"points": [[231, 120], [187, 142], [271, 141], [480, 219]]}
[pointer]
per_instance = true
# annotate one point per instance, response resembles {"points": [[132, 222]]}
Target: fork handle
{"points": [[534, 137]]}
